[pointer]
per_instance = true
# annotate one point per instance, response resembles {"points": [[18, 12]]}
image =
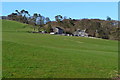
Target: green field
{"points": [[35, 55]]}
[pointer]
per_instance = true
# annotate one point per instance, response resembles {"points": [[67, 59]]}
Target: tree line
{"points": [[106, 29]]}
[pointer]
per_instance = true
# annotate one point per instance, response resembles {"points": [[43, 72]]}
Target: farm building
{"points": [[57, 30], [80, 33]]}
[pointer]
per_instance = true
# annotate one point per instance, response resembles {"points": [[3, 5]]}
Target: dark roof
{"points": [[59, 28]]}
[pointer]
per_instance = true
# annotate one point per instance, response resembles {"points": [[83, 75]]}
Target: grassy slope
{"points": [[51, 56]]}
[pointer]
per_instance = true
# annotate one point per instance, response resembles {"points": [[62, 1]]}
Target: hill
{"points": [[34, 55], [105, 29], [93, 27]]}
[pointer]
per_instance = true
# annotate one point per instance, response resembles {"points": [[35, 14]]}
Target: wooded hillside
{"points": [[106, 29]]}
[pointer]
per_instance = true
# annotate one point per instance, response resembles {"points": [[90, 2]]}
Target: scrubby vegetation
{"points": [[106, 29]]}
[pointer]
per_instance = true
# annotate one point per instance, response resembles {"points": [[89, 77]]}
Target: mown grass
{"points": [[28, 55]]}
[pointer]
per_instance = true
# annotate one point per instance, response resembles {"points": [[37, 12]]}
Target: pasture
{"points": [[35, 55]]}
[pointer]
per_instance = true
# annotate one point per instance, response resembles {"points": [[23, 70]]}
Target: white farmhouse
{"points": [[81, 33]]}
